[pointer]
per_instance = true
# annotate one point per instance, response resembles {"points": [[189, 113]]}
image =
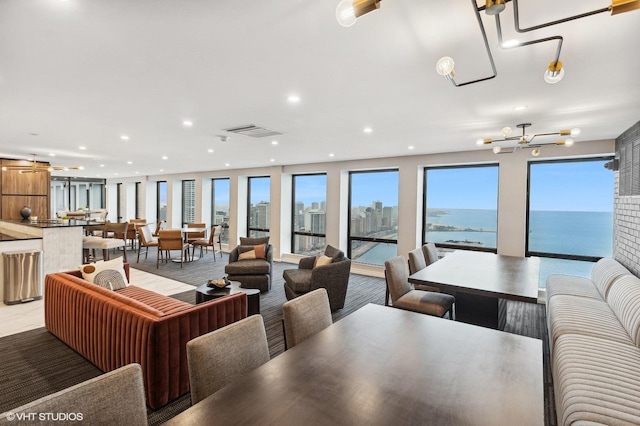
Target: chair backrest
{"points": [[116, 397], [217, 358], [196, 235], [119, 229], [158, 227], [215, 231], [416, 261], [145, 234], [305, 316], [395, 272], [170, 239], [430, 252]]}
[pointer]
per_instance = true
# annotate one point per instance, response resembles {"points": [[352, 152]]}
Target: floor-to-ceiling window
{"points": [[259, 206], [461, 207], [373, 216], [161, 200], [220, 189], [570, 214], [308, 221], [188, 201]]}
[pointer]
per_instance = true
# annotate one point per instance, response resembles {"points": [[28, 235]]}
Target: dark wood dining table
{"points": [[482, 283], [381, 366]]}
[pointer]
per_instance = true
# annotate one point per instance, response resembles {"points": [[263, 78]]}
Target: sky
{"points": [[559, 186]]}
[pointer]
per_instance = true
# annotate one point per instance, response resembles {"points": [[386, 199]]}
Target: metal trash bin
{"points": [[21, 276]]}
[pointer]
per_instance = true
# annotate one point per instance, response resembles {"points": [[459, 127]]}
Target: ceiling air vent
{"points": [[253, 131]]}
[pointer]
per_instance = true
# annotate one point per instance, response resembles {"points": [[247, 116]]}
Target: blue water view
{"points": [[562, 232]]}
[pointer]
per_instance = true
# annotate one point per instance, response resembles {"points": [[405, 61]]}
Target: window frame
{"points": [[224, 235], [424, 206], [528, 208], [159, 185], [295, 233], [249, 228], [351, 238]]}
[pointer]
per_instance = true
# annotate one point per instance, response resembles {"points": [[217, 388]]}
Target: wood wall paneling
{"points": [[23, 189]]}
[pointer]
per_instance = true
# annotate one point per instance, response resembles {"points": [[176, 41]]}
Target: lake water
{"points": [[578, 233]]}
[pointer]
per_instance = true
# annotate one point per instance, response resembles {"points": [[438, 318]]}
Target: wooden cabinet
{"points": [[18, 190]]}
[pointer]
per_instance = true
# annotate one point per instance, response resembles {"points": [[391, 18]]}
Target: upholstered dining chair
{"points": [[217, 358], [169, 240], [116, 397], [430, 253], [190, 237], [158, 228], [305, 316], [404, 297], [146, 240], [416, 263], [208, 242], [113, 238]]}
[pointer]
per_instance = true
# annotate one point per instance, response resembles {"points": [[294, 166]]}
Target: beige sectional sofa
{"points": [[594, 338]]}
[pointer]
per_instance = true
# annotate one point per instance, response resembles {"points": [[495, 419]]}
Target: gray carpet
{"points": [[34, 364]]}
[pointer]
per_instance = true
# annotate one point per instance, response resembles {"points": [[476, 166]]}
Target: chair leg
{"points": [[386, 296], [139, 247]]}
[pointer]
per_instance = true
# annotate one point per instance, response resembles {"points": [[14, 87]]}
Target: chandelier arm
{"points": [[476, 10], [527, 43], [516, 18]]}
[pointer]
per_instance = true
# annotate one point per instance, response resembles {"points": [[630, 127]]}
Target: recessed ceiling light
{"points": [[227, 164], [164, 157], [367, 130], [124, 137], [101, 165], [210, 150], [81, 168], [51, 154], [331, 154], [274, 142], [272, 160], [129, 162], [116, 174], [162, 170], [187, 123], [82, 147], [410, 147], [520, 108], [137, 173], [294, 99]]}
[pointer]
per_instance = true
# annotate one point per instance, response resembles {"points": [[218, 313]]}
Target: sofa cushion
{"points": [[596, 381], [571, 285], [92, 270], [245, 241], [248, 267], [605, 272], [585, 316], [624, 299], [298, 279]]}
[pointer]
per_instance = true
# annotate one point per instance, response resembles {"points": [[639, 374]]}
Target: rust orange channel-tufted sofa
{"points": [[115, 328]]}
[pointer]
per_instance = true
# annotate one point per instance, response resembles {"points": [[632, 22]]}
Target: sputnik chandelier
{"points": [[348, 11], [35, 167], [525, 140]]}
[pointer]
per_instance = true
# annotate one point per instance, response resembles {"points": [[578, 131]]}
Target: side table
{"points": [[204, 293]]}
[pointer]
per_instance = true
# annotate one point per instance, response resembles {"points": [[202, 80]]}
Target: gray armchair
{"points": [[254, 272], [334, 277]]}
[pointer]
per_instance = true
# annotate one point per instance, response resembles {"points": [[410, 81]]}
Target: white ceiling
{"points": [[84, 72]]}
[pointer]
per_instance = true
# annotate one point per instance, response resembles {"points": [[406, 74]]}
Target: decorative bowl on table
{"points": [[221, 283]]}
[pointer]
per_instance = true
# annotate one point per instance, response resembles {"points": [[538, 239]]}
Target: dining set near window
{"points": [[139, 235]]}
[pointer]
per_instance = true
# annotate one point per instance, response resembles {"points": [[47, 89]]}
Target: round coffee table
{"points": [[204, 293]]}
